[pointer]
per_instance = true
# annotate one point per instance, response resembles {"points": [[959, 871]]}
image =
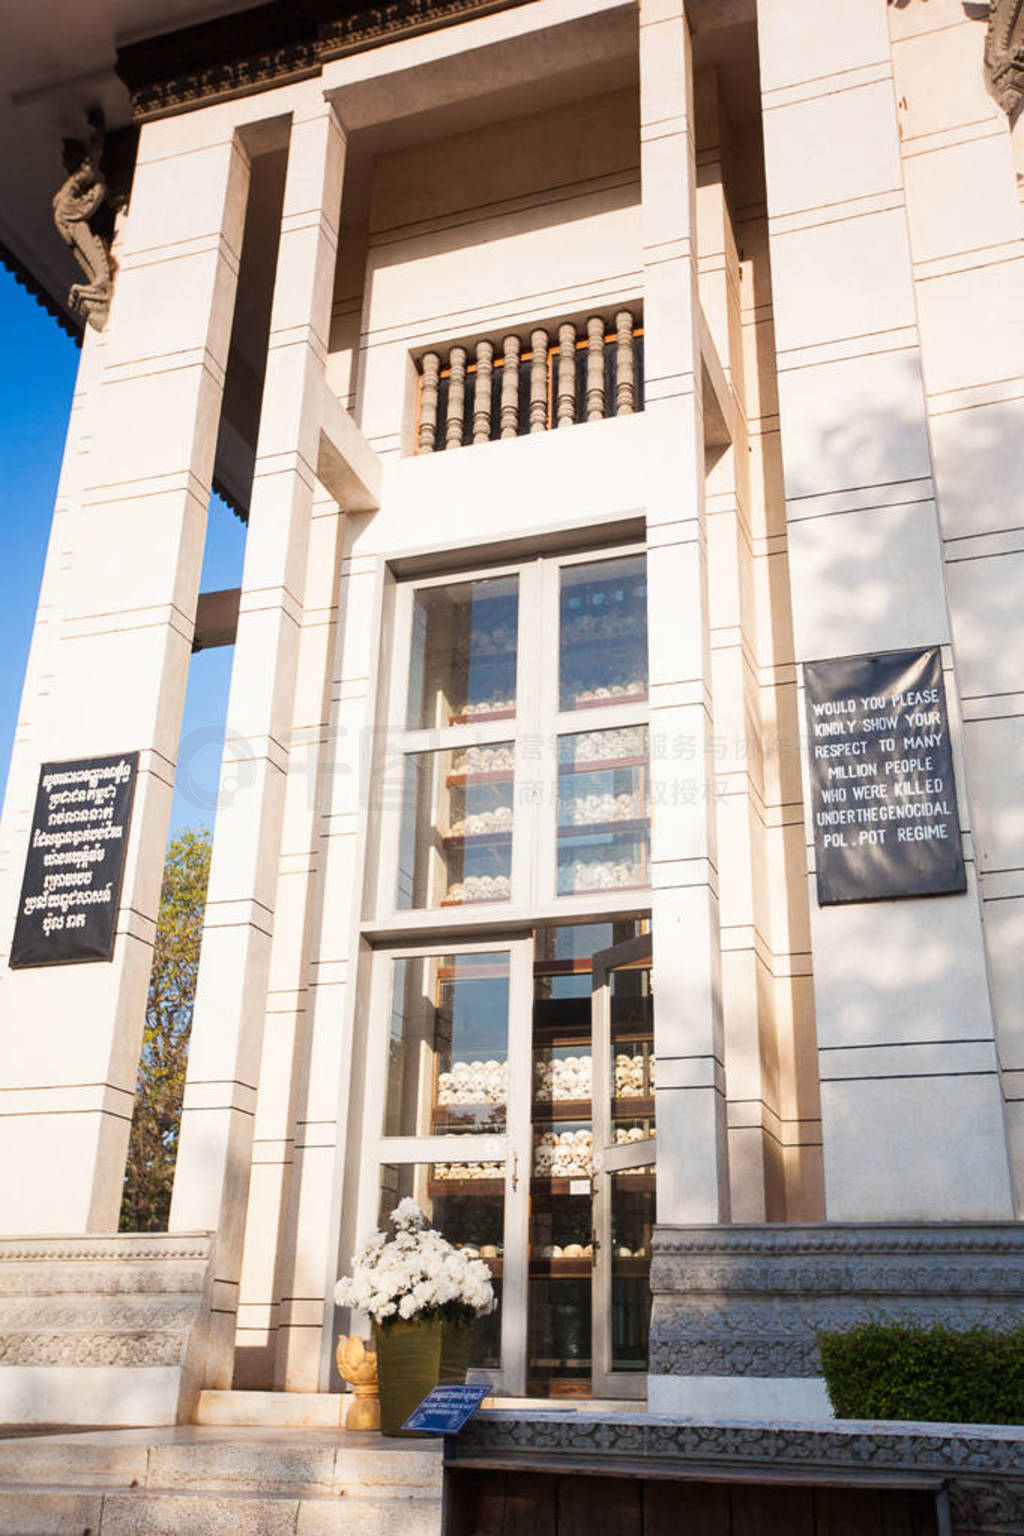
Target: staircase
{"points": [[225, 1481]]}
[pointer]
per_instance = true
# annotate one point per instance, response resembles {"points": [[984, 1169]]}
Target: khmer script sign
{"points": [[883, 799], [75, 864]]}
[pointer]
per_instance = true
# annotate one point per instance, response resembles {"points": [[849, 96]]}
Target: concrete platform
{"points": [[327, 1410], [219, 1481]]}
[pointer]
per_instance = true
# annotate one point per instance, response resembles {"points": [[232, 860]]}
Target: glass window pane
{"points": [[463, 663], [603, 814], [603, 633], [632, 1053], [470, 1214], [448, 1046], [632, 1193], [561, 1266], [456, 840]]}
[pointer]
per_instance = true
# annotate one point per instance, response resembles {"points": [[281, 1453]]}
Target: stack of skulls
{"points": [[624, 689], [630, 1077], [468, 1170], [499, 820], [474, 1082], [481, 888], [489, 707], [569, 1251], [591, 809], [493, 642], [485, 760], [564, 1154], [485, 1250], [598, 874], [602, 746], [626, 1134], [567, 1077]]}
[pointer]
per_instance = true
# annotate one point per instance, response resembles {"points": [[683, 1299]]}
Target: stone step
{"points": [[281, 1410], [200, 1481], [364, 1465], [29, 1511]]}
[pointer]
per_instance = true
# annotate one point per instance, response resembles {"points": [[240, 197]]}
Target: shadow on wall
{"points": [[866, 562]]}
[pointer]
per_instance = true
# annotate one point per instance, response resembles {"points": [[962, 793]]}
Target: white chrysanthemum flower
{"points": [[417, 1272]]}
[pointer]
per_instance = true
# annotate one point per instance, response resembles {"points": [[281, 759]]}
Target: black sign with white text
{"points": [[75, 865], [883, 799]]}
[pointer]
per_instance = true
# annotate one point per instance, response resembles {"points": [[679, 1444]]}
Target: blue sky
{"points": [[36, 385]]}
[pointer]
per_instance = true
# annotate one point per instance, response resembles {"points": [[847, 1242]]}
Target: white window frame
{"points": [[534, 895]]}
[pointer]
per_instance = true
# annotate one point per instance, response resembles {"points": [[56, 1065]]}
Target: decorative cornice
{"points": [[840, 1445], [127, 1247], [775, 1240], [269, 45], [43, 297]]}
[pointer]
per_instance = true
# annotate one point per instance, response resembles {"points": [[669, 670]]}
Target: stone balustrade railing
{"points": [[499, 390]]}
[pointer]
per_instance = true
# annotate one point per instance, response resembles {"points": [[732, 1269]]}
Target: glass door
{"points": [[448, 1090], [622, 1016]]}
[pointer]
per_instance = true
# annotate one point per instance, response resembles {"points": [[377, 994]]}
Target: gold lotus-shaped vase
{"points": [[358, 1366]]}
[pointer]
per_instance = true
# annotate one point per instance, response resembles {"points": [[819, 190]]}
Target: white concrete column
{"points": [[756, 1175], [907, 1056], [691, 1158], [964, 183], [212, 1178], [324, 1177], [128, 556], [268, 1298]]}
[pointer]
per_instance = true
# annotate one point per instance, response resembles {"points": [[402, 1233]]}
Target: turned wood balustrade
{"points": [[558, 379]]}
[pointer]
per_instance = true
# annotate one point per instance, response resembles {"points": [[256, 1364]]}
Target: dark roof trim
{"points": [[270, 44], [41, 295]]}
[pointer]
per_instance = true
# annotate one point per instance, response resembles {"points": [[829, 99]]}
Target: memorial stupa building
{"points": [[620, 843]]}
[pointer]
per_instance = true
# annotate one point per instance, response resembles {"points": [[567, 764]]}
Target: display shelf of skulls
{"points": [[477, 823], [484, 709], [565, 1153], [593, 810], [470, 1085], [478, 888], [497, 647], [569, 1079], [620, 687], [609, 747], [466, 1173], [557, 1251], [496, 760], [576, 875], [634, 1074], [561, 1079]]}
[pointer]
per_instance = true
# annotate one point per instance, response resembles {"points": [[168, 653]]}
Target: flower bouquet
{"points": [[416, 1286]]}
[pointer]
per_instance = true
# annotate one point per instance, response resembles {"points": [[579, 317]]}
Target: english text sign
{"points": [[75, 865], [883, 799]]}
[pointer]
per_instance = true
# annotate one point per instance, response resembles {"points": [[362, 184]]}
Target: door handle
{"points": [[515, 1171]]}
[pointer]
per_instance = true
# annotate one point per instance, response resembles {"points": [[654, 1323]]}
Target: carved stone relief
{"points": [[1004, 54], [981, 1469], [77, 201], [749, 1301], [1004, 48], [126, 1301]]}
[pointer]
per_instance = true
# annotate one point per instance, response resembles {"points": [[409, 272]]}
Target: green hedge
{"points": [[894, 1371]]}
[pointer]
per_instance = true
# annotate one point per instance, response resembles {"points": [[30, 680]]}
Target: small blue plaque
{"points": [[444, 1410]]}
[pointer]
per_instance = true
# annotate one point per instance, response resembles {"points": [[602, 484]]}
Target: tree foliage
{"points": [[153, 1145]]}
